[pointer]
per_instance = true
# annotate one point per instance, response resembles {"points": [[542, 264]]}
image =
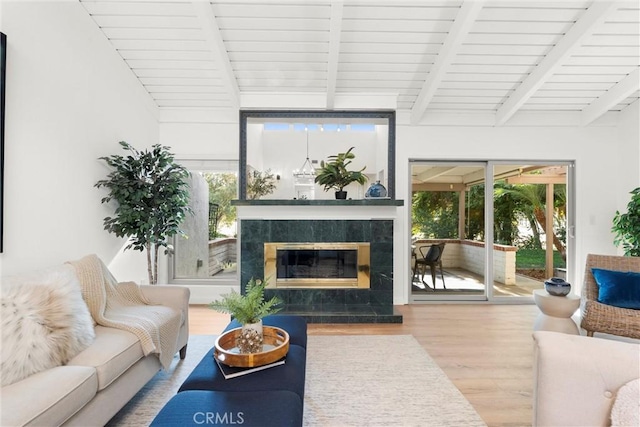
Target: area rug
{"points": [[379, 380], [352, 380]]}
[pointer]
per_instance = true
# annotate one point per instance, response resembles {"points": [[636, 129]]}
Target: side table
{"points": [[556, 312]]}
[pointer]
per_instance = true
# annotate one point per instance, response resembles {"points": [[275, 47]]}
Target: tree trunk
{"points": [[542, 220], [155, 264], [149, 265], [536, 233]]}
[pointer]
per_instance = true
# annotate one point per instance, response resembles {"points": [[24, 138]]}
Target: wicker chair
{"points": [[597, 317]]}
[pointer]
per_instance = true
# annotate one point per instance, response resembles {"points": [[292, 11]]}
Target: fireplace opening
{"points": [[301, 265]]}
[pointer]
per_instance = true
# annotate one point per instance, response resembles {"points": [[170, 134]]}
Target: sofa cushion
{"points": [[112, 353], [618, 288], [48, 398], [45, 321]]}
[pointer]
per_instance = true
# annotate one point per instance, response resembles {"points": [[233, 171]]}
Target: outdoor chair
{"points": [[604, 318], [432, 259]]}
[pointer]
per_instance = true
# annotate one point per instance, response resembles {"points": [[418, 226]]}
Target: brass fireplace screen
{"points": [[317, 265]]}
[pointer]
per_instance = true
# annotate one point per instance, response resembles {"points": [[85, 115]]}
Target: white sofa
{"points": [[97, 382], [585, 381]]}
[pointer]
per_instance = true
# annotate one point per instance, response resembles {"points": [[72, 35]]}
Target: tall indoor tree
{"points": [[626, 226], [151, 194]]}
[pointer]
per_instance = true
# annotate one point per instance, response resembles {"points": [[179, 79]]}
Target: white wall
{"points": [[201, 140], [69, 101]]}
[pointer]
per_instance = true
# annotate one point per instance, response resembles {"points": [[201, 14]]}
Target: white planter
{"points": [[251, 338]]}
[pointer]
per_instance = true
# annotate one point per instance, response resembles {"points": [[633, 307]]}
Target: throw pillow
{"points": [[626, 407], [45, 322], [618, 288]]}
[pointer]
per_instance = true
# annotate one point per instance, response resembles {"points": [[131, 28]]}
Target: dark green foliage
{"points": [[152, 197], [435, 214], [475, 213], [626, 226], [250, 307], [505, 214], [334, 173], [222, 190]]}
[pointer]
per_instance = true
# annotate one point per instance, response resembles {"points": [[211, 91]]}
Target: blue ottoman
{"points": [[290, 376], [295, 326], [277, 408]]}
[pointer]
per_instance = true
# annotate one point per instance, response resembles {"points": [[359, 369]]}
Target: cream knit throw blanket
{"points": [[122, 306]]}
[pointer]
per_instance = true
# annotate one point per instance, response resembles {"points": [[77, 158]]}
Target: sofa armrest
{"points": [[176, 297], [576, 378]]}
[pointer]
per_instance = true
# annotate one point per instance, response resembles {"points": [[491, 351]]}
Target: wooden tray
{"points": [[276, 346]]}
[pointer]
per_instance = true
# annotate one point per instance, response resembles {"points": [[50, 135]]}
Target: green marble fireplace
{"points": [[326, 305]]}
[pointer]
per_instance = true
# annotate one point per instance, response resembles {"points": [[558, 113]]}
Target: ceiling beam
{"points": [[461, 26], [438, 187], [433, 172], [214, 40], [621, 91], [335, 30], [594, 16]]}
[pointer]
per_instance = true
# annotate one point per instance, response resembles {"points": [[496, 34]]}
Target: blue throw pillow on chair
{"points": [[618, 288]]}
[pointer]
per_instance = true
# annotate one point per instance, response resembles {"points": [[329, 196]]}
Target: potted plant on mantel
{"points": [[627, 226], [334, 173], [248, 310]]}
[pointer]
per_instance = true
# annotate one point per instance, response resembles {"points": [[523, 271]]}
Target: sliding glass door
{"points": [[531, 208], [448, 223], [490, 230]]}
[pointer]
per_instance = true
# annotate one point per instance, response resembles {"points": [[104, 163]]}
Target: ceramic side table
{"points": [[556, 312]]}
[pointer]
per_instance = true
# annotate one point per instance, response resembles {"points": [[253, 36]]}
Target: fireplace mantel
{"points": [[315, 202]]}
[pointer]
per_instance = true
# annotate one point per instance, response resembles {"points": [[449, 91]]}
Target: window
{"points": [[209, 249]]}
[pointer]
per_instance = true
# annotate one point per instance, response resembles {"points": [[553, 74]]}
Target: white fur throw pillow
{"points": [[626, 407], [45, 322]]}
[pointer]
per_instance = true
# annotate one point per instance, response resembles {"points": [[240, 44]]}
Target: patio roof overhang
{"points": [[434, 177]]}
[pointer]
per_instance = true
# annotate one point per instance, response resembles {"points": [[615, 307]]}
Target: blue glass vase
{"points": [[376, 190]]}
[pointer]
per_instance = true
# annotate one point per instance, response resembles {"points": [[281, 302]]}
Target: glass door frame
{"points": [[570, 223], [429, 298]]}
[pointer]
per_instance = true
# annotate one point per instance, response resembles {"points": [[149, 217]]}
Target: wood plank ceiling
{"points": [[449, 56]]}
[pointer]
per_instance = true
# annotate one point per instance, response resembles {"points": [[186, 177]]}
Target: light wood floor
{"points": [[486, 350]]}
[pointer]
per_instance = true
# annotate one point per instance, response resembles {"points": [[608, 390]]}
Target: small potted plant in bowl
{"points": [[248, 310], [334, 173]]}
